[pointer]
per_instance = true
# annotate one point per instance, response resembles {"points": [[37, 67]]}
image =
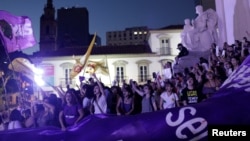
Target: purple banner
{"points": [[229, 106], [16, 31]]}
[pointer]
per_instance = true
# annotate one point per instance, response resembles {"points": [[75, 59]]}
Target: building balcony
{"points": [[144, 78], [67, 81]]}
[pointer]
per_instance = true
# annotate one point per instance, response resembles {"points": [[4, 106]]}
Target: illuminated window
{"points": [[143, 74], [135, 33], [119, 74], [164, 42], [65, 80], [67, 76], [140, 32], [120, 67], [165, 46], [143, 70]]}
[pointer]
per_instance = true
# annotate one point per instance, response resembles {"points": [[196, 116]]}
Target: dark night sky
{"points": [[109, 15]]}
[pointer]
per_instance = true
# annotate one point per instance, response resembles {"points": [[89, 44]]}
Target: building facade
{"points": [[135, 53], [129, 36], [126, 62]]}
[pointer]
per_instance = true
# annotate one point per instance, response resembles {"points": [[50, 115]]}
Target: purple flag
{"points": [[16, 32], [230, 106]]}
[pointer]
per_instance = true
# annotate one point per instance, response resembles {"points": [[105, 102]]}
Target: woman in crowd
{"points": [[169, 98], [228, 68], [117, 93], [125, 104], [72, 111], [235, 62], [99, 102], [44, 113], [211, 85], [148, 103], [191, 94]]}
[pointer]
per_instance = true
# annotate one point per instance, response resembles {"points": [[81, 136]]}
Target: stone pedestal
{"points": [[190, 60]]}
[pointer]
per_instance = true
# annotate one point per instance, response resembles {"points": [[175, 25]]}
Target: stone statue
{"points": [[201, 33], [186, 34]]}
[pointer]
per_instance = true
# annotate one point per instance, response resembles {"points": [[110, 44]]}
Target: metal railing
{"points": [[67, 81], [143, 78], [165, 51]]}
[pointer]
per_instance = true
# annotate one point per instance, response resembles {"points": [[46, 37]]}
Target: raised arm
{"points": [[141, 93], [82, 91], [49, 106], [99, 84]]}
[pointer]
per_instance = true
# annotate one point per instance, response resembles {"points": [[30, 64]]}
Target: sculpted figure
{"points": [[186, 34], [202, 30]]}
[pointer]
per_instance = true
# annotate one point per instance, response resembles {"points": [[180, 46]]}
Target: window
{"points": [[164, 42], [67, 76], [65, 80], [143, 74], [119, 74], [165, 46], [143, 70], [120, 70]]}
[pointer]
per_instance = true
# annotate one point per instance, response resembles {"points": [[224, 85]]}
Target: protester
{"points": [[72, 111]]}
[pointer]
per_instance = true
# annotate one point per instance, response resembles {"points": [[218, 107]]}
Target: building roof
{"points": [[97, 50]]}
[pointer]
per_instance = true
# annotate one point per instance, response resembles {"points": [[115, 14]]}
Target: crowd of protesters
{"points": [[168, 90]]}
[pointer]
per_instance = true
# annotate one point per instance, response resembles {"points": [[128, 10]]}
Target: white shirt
{"points": [[167, 73], [102, 104], [169, 101]]}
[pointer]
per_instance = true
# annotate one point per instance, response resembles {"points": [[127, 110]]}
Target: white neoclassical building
{"points": [[136, 62]]}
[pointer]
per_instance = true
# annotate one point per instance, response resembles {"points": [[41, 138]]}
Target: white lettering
{"points": [[243, 133], [189, 124], [216, 132], [181, 116]]}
